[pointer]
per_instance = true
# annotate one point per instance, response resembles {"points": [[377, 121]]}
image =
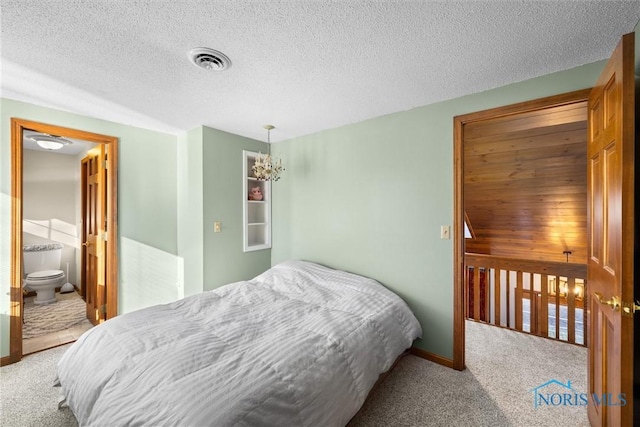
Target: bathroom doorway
{"points": [[104, 237]]}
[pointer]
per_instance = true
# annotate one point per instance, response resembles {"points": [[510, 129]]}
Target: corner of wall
{"points": [[190, 223], [222, 201]]}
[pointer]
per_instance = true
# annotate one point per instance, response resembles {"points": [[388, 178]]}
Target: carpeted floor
{"points": [[495, 390], [503, 367], [40, 320]]}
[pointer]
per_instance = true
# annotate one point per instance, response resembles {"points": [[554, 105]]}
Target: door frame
{"points": [[458, 198], [17, 128]]}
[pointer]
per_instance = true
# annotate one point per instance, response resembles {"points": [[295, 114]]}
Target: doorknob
{"points": [[614, 302], [631, 308], [87, 243]]}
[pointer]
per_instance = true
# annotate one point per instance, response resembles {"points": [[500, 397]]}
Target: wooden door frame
{"points": [[16, 309], [83, 195], [458, 198]]}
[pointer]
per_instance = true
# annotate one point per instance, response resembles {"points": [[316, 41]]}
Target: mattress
{"points": [[300, 344]]}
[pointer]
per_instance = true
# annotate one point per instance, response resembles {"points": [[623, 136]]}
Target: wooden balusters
{"points": [[476, 293], [518, 300], [543, 314], [496, 297], [571, 308], [534, 282]]}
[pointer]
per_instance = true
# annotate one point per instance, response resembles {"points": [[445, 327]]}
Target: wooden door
{"points": [[610, 242], [94, 206]]}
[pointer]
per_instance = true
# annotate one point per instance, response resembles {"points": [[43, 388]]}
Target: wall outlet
{"points": [[445, 232], [216, 227]]}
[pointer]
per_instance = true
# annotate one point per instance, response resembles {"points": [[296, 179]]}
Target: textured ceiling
{"points": [[303, 66]]}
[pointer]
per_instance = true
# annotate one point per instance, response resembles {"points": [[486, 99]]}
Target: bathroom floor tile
{"points": [[29, 346], [65, 336], [80, 329]]}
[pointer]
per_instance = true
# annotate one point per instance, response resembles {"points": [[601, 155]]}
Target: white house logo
{"points": [[557, 393]]}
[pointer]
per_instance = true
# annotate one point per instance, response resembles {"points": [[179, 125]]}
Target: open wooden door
{"points": [[94, 254], [611, 233]]}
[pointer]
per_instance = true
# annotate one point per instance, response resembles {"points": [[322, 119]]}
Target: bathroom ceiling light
{"points": [[50, 142]]}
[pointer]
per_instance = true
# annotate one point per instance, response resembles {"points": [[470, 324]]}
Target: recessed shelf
{"points": [[256, 213]]}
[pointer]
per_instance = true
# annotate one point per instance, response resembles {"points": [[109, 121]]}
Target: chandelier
{"points": [[265, 167]]}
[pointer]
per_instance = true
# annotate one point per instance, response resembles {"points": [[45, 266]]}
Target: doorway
{"points": [[461, 125], [611, 236], [107, 237]]}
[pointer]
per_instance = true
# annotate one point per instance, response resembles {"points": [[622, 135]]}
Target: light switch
{"points": [[216, 227], [444, 232]]}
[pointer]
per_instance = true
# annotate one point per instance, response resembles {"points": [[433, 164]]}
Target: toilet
{"points": [[42, 270]]}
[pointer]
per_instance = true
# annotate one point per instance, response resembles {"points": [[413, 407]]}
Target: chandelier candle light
{"points": [[265, 167]]}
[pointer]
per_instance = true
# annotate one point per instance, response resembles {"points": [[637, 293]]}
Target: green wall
{"points": [[147, 214], [210, 189], [190, 210], [370, 198], [224, 259]]}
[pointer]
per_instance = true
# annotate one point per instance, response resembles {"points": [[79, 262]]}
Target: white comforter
{"points": [[299, 345]]}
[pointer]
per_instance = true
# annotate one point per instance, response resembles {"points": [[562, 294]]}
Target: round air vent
{"points": [[209, 59]]}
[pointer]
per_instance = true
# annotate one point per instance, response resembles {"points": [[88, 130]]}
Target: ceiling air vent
{"points": [[209, 59]]}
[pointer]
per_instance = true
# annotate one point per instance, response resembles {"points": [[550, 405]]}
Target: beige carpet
{"points": [[44, 319], [503, 367], [495, 390]]}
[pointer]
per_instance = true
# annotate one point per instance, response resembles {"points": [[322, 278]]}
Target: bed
{"points": [[300, 344]]}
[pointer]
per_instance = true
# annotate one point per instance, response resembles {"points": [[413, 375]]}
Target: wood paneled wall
{"points": [[525, 184]]}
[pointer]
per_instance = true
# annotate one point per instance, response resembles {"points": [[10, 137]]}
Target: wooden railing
{"points": [[538, 297]]}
